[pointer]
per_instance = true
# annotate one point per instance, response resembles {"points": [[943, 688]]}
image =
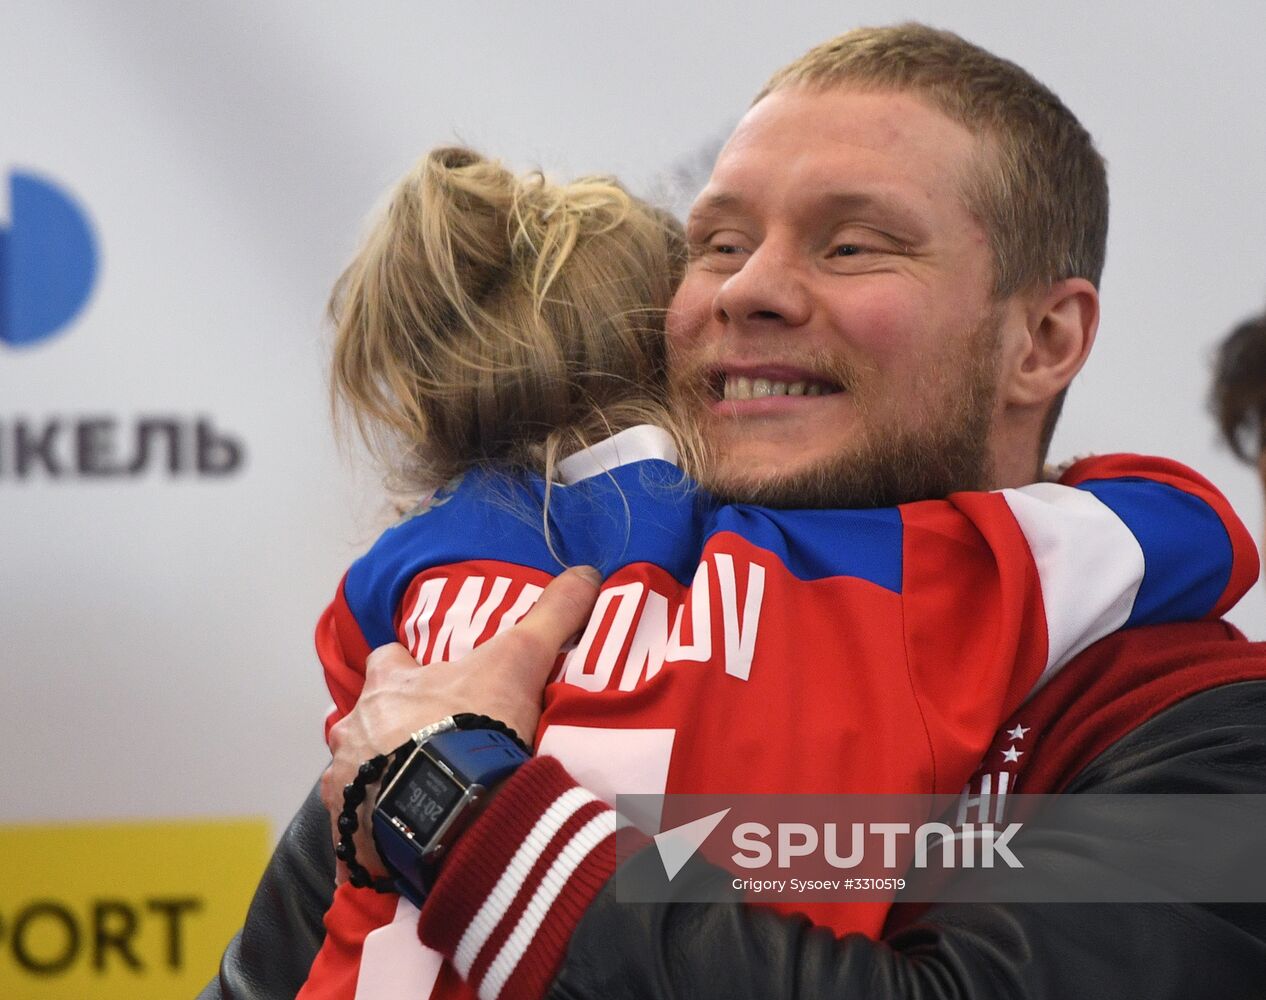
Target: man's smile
{"points": [[742, 387], [765, 383]]}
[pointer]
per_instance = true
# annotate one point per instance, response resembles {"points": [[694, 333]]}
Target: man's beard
{"points": [[945, 450]]}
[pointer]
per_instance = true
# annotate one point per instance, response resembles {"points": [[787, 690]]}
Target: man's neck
{"points": [[1014, 459]]}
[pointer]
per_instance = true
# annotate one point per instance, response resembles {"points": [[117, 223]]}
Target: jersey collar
{"points": [[637, 444]]}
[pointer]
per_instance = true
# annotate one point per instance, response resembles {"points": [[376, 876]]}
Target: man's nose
{"points": [[770, 288]]}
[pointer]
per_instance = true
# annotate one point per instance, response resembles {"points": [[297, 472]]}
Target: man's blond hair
{"points": [[1042, 193]]}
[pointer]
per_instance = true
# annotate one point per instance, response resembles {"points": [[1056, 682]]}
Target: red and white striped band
{"points": [[519, 880]]}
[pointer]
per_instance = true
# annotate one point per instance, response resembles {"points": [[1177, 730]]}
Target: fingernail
{"points": [[589, 573]]}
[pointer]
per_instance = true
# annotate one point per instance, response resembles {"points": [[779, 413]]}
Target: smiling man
{"points": [[890, 311], [837, 336], [893, 280]]}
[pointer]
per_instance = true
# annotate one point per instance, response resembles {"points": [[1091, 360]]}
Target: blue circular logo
{"points": [[48, 261]]}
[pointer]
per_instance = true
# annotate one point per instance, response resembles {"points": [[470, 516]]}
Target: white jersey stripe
{"points": [[1089, 564], [511, 881], [569, 859]]}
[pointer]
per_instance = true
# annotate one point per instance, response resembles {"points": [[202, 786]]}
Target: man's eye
{"points": [[710, 249], [719, 255], [846, 250]]}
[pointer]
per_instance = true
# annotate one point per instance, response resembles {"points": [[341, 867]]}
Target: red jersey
{"points": [[900, 638]]}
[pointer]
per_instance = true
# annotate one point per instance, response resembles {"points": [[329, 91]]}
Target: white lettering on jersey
{"points": [[467, 618], [527, 599], [740, 636], [575, 671], [700, 601], [629, 615], [417, 628], [650, 643]]}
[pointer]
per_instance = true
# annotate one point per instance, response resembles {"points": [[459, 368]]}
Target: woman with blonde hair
{"points": [[492, 319], [499, 343]]}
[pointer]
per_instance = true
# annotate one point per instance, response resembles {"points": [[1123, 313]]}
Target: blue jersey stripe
{"points": [[641, 512], [1187, 552], [814, 544]]}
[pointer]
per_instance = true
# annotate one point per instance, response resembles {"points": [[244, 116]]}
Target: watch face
{"points": [[423, 796]]}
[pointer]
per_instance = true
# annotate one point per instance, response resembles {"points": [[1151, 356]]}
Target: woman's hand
{"points": [[503, 679]]}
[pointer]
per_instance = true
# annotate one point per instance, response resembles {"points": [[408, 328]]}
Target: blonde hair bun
{"points": [[491, 317]]}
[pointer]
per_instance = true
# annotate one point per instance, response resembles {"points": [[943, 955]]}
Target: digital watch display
{"points": [[433, 796]]}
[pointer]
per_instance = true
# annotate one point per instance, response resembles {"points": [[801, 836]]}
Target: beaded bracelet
{"points": [[348, 823], [373, 770]]}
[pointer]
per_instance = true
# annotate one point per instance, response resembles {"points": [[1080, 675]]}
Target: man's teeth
{"points": [[741, 387]]}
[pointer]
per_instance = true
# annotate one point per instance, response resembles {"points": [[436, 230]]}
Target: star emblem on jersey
{"points": [[1018, 732], [678, 845], [1011, 755]]}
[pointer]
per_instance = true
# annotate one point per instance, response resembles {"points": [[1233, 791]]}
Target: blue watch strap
{"points": [[479, 756]]}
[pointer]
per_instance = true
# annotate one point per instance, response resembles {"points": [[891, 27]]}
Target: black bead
{"points": [[345, 851], [348, 823], [353, 795]]}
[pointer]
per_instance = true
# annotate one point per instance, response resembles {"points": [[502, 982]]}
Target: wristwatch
{"points": [[436, 793]]}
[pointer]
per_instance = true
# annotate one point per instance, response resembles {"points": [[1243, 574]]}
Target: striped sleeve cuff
{"points": [[516, 885]]}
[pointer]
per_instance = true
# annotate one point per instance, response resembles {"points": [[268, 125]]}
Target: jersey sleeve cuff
{"points": [[518, 882]]}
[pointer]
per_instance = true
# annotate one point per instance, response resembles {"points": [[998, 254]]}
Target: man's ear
{"points": [[1061, 323]]}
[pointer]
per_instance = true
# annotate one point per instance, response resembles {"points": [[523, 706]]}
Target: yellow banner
{"points": [[122, 911]]}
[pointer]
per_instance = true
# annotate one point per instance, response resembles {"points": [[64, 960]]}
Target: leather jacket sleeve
{"points": [[270, 958], [1211, 742]]}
